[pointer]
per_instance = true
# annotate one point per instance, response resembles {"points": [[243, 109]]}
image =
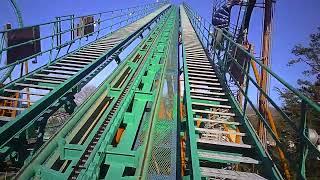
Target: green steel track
{"points": [[166, 112], [59, 80], [86, 143]]}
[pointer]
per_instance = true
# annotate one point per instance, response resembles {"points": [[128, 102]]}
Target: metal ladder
{"points": [[218, 145]]}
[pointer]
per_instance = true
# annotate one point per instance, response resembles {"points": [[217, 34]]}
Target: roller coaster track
{"points": [[60, 77], [167, 111], [109, 103]]}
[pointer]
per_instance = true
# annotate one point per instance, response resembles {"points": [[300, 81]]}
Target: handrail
{"points": [[119, 18], [287, 85], [94, 14], [62, 32], [62, 45], [228, 48], [2, 41]]}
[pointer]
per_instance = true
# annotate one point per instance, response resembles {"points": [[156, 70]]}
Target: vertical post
{"points": [[264, 81], [208, 40], [2, 42], [266, 42], [57, 30], [246, 85], [52, 42], [99, 22], [72, 27], [120, 19], [226, 49], [304, 148], [8, 73]]}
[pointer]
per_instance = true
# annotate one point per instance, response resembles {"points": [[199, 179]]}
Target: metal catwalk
{"points": [[167, 111]]}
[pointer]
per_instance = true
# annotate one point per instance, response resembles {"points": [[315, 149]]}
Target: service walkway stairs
{"points": [[218, 142], [221, 13], [51, 83], [50, 77]]}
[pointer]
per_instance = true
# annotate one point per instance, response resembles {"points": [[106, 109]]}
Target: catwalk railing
{"points": [[98, 54], [64, 34], [122, 108], [239, 68]]}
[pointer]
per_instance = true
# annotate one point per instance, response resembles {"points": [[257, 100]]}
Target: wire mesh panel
{"points": [[162, 163], [163, 156]]}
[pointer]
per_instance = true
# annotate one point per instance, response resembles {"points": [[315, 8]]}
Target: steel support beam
{"points": [[27, 118]]}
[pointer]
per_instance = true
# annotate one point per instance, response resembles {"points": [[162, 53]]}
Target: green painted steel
{"points": [[193, 148], [162, 130], [144, 93], [191, 136], [126, 16], [268, 165], [223, 50], [129, 128], [97, 98], [146, 64], [55, 98]]}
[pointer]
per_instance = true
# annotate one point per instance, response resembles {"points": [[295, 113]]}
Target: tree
{"points": [[309, 55], [309, 85], [60, 117], [85, 92]]}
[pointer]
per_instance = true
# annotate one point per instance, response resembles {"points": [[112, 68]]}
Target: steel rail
{"points": [[140, 13], [26, 118], [119, 103], [103, 140], [104, 12], [49, 147], [227, 47], [273, 74]]}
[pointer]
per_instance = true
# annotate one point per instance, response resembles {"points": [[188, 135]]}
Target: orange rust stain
{"points": [[183, 155], [119, 134]]}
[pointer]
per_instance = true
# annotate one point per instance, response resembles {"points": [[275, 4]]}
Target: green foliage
{"points": [[309, 55], [309, 85]]}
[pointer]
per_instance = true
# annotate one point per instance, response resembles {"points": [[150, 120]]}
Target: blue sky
{"points": [[294, 20]]}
